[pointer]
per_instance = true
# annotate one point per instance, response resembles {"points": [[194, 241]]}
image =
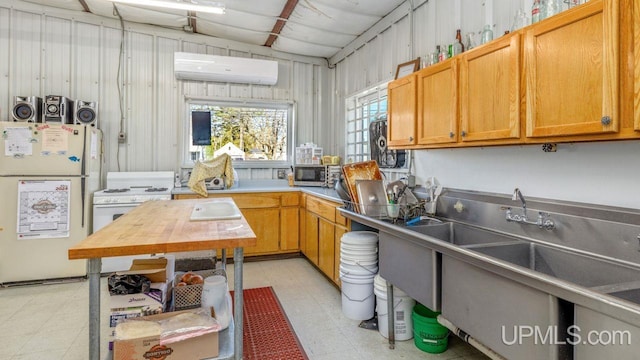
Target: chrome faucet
{"points": [[544, 220], [517, 194]]}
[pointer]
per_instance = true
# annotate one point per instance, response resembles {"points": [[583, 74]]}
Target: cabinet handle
{"points": [[451, 134], [463, 133], [410, 138], [606, 120]]}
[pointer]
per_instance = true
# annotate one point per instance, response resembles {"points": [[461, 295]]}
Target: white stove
{"points": [[135, 187], [125, 191]]}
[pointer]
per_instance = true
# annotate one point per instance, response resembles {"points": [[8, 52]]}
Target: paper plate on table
{"points": [[366, 170]]}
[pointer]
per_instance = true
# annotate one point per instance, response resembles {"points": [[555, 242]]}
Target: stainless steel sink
{"points": [[460, 234], [577, 268]]}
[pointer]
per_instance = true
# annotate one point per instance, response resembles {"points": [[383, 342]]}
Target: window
{"points": [[245, 131], [362, 109]]}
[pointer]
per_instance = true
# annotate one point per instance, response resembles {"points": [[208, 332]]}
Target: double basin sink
{"points": [[601, 275]]}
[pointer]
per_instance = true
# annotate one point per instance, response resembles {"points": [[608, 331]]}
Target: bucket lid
{"points": [[358, 270], [359, 237], [361, 262]]}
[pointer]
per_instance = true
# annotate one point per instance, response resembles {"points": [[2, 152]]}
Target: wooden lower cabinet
{"points": [[262, 211], [326, 247], [339, 231], [289, 222], [311, 237], [324, 226], [261, 221]]}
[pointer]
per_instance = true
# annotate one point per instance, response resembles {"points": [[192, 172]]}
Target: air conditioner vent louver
{"points": [[202, 67]]}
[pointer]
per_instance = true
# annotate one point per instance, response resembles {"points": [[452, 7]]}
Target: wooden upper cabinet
{"points": [[636, 47], [401, 104], [438, 103], [572, 72], [490, 91]]}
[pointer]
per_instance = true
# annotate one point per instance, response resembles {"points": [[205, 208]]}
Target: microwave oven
{"points": [[310, 175]]}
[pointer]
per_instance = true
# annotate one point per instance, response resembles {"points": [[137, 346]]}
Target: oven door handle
{"points": [[104, 206]]}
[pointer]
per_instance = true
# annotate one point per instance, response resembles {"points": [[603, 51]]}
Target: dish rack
{"points": [[401, 212], [190, 296]]}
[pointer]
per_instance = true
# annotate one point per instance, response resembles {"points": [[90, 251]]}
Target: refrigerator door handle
{"points": [[83, 173]]}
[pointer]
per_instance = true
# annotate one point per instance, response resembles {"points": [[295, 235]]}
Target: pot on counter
{"points": [[341, 188]]}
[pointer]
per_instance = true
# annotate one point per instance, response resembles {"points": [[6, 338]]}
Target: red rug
{"points": [[267, 331]]}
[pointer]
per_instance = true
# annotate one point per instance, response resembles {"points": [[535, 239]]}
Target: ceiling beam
{"points": [[84, 5], [191, 21], [277, 27]]}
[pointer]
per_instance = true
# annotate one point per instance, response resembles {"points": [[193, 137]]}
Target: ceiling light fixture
{"points": [[189, 5]]}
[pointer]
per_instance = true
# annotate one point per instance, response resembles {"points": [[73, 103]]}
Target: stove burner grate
{"points": [[157, 189], [110, 191]]}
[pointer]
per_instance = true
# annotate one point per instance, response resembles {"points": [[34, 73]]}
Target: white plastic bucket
{"points": [[358, 270], [402, 306], [359, 248], [215, 293], [358, 302], [360, 238], [354, 260]]}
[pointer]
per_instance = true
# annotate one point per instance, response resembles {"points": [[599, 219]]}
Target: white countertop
{"points": [[245, 186]]}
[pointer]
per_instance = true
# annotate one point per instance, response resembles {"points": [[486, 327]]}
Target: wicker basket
{"points": [[190, 296]]}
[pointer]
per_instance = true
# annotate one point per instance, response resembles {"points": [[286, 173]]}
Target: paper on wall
{"points": [[94, 145]]}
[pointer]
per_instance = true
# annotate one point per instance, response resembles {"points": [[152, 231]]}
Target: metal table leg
{"points": [[95, 264], [391, 316], [224, 259], [238, 254]]}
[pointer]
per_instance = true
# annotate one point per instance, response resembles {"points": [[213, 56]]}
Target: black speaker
{"points": [[58, 109], [201, 127], [27, 109], [85, 113]]}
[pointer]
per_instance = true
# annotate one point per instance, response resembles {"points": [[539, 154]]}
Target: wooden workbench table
{"points": [[162, 227]]}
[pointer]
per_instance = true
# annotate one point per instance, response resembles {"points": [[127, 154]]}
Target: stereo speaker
{"points": [[27, 109], [58, 109], [85, 113]]}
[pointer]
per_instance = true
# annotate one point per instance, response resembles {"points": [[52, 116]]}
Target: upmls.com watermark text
{"points": [[519, 334]]}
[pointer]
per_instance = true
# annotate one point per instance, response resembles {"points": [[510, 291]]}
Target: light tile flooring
{"points": [[51, 321]]}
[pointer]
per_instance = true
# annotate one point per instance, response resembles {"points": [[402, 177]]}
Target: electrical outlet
{"points": [[282, 173], [122, 137]]}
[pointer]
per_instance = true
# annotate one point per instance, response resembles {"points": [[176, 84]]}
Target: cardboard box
{"points": [[201, 347], [155, 301]]}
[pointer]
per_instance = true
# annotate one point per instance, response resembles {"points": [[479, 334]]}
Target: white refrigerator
{"points": [[48, 173]]}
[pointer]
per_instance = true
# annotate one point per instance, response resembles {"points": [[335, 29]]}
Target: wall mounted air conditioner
{"points": [[202, 67]]}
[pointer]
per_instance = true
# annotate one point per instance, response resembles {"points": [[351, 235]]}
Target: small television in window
{"points": [[201, 127]]}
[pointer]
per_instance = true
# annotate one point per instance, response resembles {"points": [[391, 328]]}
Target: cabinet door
{"points": [[571, 69], [326, 244], [636, 47], [339, 231], [311, 237], [438, 103], [289, 228], [261, 222], [302, 233], [490, 91], [401, 103]]}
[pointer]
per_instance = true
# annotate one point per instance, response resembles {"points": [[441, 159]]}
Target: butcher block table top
{"points": [[163, 226]]}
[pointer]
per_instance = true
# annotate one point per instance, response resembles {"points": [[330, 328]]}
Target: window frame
{"points": [[374, 91], [290, 106]]}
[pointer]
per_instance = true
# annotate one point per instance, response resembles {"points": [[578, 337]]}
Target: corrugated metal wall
{"points": [[46, 51], [372, 59]]}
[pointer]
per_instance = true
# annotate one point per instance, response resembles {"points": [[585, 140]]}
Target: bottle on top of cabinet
{"points": [[487, 34], [550, 8], [457, 47], [535, 11], [442, 54]]}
